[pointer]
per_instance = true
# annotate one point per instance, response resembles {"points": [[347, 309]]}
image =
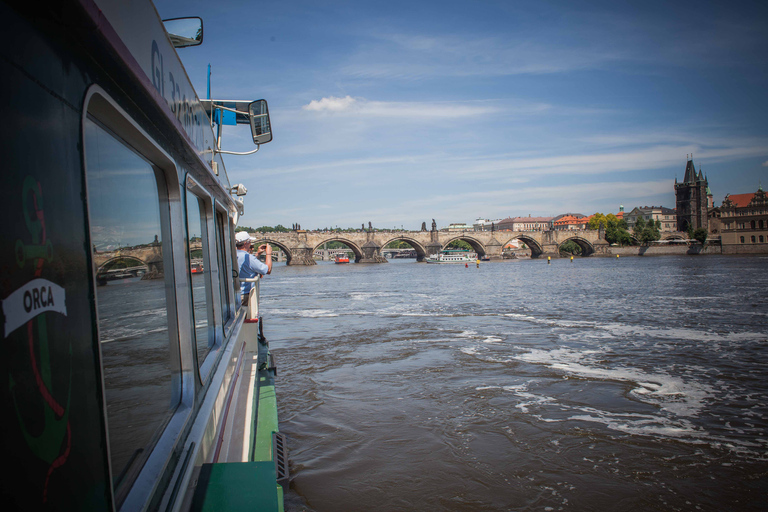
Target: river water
{"points": [[599, 384]]}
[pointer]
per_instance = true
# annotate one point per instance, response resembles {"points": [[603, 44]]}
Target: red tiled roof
{"points": [[570, 219], [741, 200]]}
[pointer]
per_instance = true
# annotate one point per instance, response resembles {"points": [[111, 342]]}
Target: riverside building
{"points": [[744, 219]]}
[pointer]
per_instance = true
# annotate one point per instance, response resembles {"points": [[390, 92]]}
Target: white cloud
{"points": [[402, 109], [331, 103], [652, 157]]}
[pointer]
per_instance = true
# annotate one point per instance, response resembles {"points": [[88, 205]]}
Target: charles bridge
{"points": [[299, 245], [146, 255]]}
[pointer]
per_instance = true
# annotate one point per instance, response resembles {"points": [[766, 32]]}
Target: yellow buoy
{"points": [[548, 258], [571, 258]]}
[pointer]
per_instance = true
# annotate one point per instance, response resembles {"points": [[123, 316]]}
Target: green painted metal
{"points": [[236, 486], [266, 422]]}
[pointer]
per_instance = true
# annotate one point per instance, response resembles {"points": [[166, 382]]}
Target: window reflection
{"points": [[126, 238], [221, 255], [200, 274]]}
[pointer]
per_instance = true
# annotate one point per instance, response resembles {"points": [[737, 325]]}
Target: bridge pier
{"points": [[302, 254], [434, 246], [548, 250], [372, 253], [493, 249]]}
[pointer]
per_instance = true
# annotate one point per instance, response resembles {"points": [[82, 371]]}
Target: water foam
{"points": [[672, 394]]}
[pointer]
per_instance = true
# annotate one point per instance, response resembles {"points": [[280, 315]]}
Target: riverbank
{"points": [[696, 249]]}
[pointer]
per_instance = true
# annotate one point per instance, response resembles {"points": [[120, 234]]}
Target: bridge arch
{"points": [[282, 246], [421, 251], [476, 245], [106, 265], [352, 246], [532, 243], [587, 249]]}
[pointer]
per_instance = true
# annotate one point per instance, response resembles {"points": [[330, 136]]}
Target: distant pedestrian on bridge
{"points": [[249, 264]]}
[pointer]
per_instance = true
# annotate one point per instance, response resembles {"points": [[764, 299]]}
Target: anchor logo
{"points": [[53, 443]]}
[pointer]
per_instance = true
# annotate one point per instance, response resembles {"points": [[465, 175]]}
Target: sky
{"points": [[396, 113]]}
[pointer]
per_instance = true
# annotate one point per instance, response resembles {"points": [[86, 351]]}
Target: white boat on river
{"points": [[445, 257]]}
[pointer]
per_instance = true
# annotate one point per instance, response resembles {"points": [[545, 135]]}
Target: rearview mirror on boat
{"points": [[261, 129], [184, 32]]}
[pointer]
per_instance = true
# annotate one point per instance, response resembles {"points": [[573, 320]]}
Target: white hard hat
{"points": [[242, 236]]}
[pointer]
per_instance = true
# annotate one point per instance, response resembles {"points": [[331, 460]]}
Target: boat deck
{"points": [[250, 457]]}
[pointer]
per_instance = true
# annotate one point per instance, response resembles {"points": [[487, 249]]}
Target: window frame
{"points": [[99, 106], [229, 309], [213, 300]]}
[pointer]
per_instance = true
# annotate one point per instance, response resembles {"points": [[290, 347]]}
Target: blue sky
{"points": [[400, 112]]}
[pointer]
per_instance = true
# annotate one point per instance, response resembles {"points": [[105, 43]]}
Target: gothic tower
{"points": [[691, 199]]}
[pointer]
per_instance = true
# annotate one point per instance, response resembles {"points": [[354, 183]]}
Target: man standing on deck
{"points": [[250, 264]]}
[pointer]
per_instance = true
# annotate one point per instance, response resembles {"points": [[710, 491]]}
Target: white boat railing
{"points": [[252, 311]]}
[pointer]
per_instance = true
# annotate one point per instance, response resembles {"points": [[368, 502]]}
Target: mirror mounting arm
{"points": [[238, 153]]}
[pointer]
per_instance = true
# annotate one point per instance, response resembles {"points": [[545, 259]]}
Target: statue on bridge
{"points": [[434, 225], [370, 228], [423, 226], [362, 226], [493, 227]]}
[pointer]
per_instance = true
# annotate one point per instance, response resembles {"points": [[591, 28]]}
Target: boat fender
{"points": [[261, 337]]}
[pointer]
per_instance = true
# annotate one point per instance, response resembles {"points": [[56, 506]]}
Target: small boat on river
{"points": [[342, 258]]}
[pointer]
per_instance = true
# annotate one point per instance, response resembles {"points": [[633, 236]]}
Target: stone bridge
{"points": [[299, 246], [150, 255]]}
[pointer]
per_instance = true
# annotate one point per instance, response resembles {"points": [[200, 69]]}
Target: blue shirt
{"points": [[249, 267]]}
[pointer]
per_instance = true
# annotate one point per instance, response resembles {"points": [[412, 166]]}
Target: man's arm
{"points": [[267, 249]]}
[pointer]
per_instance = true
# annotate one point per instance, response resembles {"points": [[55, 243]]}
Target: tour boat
{"points": [[445, 257], [152, 393], [342, 258]]}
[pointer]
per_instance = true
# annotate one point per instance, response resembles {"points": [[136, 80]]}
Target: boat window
{"points": [[126, 228], [233, 255], [200, 273], [222, 234]]}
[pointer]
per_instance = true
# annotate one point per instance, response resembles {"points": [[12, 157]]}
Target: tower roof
{"points": [[690, 172]]}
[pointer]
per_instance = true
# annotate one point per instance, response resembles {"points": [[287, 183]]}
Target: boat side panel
{"points": [[53, 422]]}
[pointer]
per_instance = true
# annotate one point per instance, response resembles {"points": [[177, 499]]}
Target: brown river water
{"points": [[599, 384]]}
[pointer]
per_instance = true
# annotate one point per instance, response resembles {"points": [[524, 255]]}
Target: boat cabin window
{"points": [[129, 250], [200, 272], [222, 235]]}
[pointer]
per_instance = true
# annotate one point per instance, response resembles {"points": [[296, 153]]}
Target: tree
{"points": [[615, 228], [639, 227], [618, 236], [594, 222], [700, 234], [398, 244], [647, 232], [459, 244], [570, 247], [609, 221], [264, 229]]}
